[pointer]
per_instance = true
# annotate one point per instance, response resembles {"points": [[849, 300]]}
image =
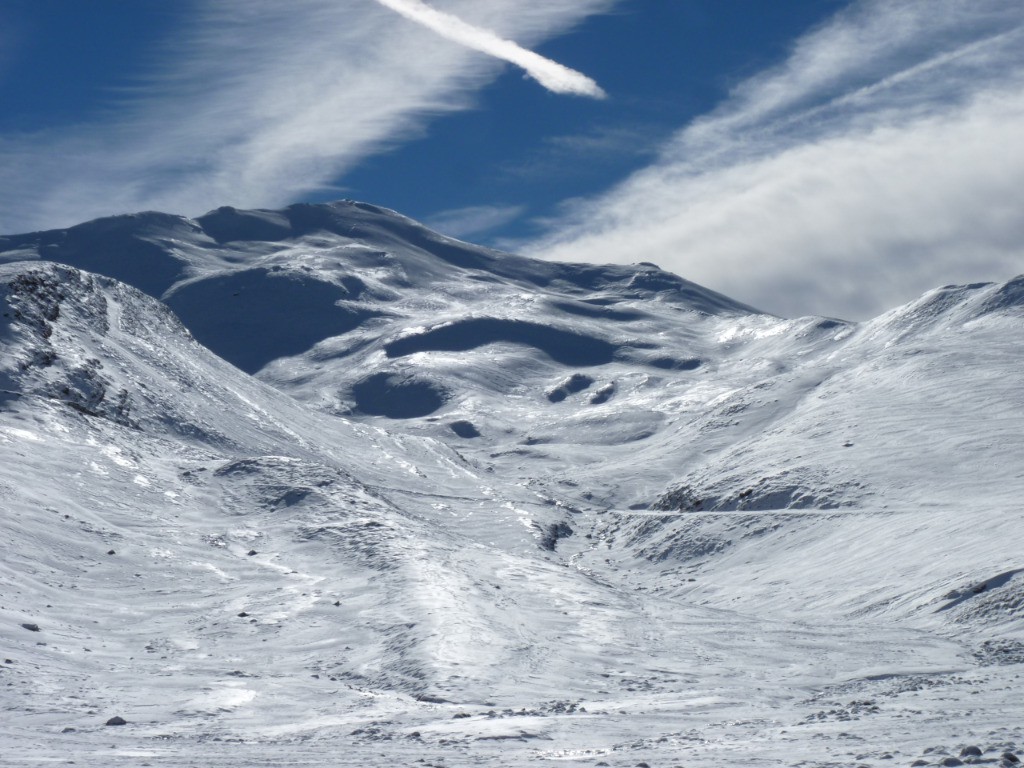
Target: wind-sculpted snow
{"points": [[562, 346], [473, 509], [601, 310], [398, 397], [1007, 297], [136, 249], [264, 314]]}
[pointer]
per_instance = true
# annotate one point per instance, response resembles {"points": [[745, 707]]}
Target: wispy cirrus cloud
{"points": [[578, 153], [882, 158], [258, 103], [550, 74], [474, 219]]}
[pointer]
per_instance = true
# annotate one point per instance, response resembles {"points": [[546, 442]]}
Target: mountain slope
{"points": [[333, 266], [474, 507]]}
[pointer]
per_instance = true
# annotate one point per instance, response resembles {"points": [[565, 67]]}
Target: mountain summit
{"points": [[321, 486]]}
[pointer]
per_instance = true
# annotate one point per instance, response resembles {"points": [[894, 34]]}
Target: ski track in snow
{"points": [[697, 535]]}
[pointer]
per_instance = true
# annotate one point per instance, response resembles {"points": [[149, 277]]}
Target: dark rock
{"points": [[242, 615], [68, 730], [551, 534], [117, 720], [252, 552], [951, 761], [111, 552], [1009, 757], [31, 627], [970, 752]]}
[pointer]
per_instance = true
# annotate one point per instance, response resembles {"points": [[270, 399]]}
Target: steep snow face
{"points": [[490, 510]]}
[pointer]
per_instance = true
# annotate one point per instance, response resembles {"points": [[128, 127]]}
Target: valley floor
{"points": [[739, 659]]}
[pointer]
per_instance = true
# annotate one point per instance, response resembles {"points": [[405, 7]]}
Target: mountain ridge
{"points": [[493, 516]]}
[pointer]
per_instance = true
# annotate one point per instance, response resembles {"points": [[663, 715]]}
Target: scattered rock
{"points": [[1000, 652], [252, 552], [117, 720], [68, 730], [1009, 757], [111, 552], [242, 615], [970, 752], [951, 761], [31, 627]]}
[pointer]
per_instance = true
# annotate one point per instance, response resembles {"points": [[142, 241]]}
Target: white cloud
{"points": [[258, 103], [881, 159], [577, 154], [474, 219], [550, 74]]}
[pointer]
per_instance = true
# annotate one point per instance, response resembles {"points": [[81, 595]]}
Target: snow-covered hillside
{"points": [[430, 501]]}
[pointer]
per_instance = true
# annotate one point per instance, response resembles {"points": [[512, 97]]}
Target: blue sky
{"points": [[807, 156]]}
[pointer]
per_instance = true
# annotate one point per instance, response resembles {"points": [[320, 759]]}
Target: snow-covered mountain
{"points": [[323, 487]]}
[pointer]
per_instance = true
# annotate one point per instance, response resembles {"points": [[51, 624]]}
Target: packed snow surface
{"points": [[320, 487]]}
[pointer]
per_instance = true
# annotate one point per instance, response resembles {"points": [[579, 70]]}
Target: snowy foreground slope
{"points": [[427, 502]]}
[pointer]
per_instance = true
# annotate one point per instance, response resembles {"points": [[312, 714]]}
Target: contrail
{"points": [[550, 74]]}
